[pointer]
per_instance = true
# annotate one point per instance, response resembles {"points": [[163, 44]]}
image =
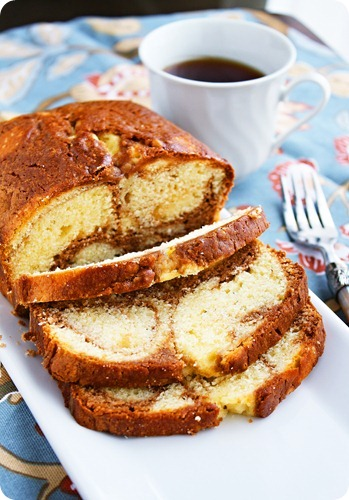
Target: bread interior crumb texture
{"points": [[154, 206], [210, 317]]}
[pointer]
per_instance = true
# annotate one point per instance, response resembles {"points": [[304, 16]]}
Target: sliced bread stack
{"points": [[224, 325], [199, 403], [153, 317]]}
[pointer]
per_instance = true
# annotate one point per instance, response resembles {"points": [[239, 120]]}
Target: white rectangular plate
{"points": [[300, 452]]}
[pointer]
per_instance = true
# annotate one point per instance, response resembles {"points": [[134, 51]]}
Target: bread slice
{"points": [[217, 321], [93, 180], [199, 403], [179, 257], [141, 412]]}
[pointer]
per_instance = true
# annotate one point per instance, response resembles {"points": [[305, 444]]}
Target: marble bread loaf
{"points": [[90, 181]]}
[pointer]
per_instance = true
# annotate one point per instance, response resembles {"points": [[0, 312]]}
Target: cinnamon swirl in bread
{"points": [[149, 328], [215, 322], [179, 257], [90, 181], [198, 403]]}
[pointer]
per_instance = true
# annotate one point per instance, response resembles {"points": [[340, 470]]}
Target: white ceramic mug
{"points": [[236, 120]]}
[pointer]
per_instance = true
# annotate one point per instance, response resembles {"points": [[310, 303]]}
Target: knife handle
{"points": [[338, 280]]}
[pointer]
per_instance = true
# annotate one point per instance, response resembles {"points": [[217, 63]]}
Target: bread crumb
{"points": [[22, 322], [2, 344], [26, 337], [31, 353], [250, 420]]}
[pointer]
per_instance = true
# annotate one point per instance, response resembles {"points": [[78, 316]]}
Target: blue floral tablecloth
{"points": [[45, 65]]}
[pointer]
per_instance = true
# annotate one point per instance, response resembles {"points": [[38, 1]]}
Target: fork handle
{"points": [[338, 281], [343, 299]]}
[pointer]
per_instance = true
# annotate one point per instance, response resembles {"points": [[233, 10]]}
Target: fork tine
{"points": [[309, 188], [298, 198], [323, 209], [290, 220]]}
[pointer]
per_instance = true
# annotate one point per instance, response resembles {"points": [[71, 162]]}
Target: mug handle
{"points": [[286, 89]]}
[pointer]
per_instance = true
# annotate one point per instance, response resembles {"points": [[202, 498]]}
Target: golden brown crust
{"points": [[137, 420], [141, 271], [278, 387], [66, 366], [276, 319], [101, 410], [161, 368], [151, 370], [45, 154]]}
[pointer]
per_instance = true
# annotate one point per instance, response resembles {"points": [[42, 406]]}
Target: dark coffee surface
{"points": [[214, 69]]}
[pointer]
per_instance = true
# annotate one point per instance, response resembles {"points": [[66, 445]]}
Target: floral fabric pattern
{"points": [[46, 65]]}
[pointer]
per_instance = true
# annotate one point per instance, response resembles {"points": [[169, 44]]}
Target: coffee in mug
{"points": [[236, 119], [214, 69]]}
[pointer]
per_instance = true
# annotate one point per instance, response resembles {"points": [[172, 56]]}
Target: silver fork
{"points": [[309, 222]]}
